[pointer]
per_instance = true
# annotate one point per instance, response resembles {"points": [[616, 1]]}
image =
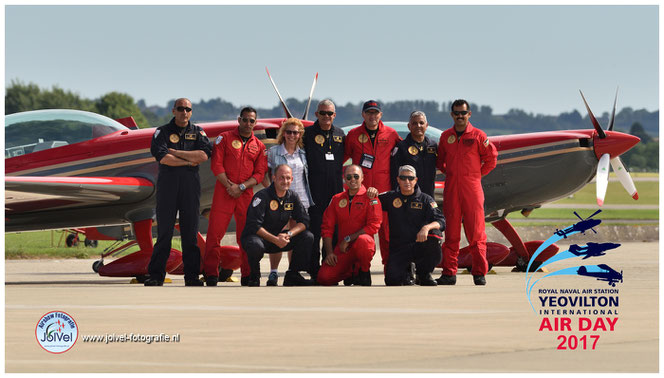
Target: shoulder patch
{"points": [[434, 205], [394, 151], [218, 140], [156, 133], [256, 201], [203, 133], [486, 142], [373, 202]]}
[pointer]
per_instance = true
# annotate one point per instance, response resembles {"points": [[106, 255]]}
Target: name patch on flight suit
{"points": [[397, 203], [416, 205], [274, 205], [288, 206], [337, 138], [382, 142], [343, 203], [431, 150], [451, 139], [413, 150], [236, 144], [191, 136], [468, 142], [174, 138], [319, 139]]}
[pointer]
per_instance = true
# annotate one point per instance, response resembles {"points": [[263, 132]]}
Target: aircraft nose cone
{"points": [[615, 143]]}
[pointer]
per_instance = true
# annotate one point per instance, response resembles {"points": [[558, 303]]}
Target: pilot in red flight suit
{"points": [[464, 156], [239, 162], [370, 146], [358, 218]]}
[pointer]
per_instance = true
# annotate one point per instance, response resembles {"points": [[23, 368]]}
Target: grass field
{"points": [[616, 194], [607, 214]]}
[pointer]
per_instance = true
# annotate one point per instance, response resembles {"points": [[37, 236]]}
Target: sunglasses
{"points": [[462, 112], [325, 113], [350, 177], [183, 108], [292, 132], [409, 178], [250, 120]]}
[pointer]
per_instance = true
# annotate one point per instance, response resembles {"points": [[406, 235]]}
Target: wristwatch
{"points": [[347, 239], [289, 234], [242, 187]]}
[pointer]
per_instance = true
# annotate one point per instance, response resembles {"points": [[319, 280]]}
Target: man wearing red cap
{"points": [[239, 162], [464, 156], [370, 146]]}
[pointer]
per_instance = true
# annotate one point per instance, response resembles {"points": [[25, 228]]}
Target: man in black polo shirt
{"points": [[324, 148], [268, 214], [416, 225]]}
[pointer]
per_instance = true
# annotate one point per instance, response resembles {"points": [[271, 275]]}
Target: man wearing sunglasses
{"points": [[324, 148], [415, 230], [370, 146], [179, 147], [465, 154], [239, 162], [358, 218]]}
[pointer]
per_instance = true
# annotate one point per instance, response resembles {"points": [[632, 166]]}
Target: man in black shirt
{"points": [[268, 214], [324, 148], [179, 147], [416, 225]]}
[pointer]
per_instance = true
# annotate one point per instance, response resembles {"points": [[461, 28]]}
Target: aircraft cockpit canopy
{"points": [[39, 130]]}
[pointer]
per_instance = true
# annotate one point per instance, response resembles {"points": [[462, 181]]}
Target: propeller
{"points": [[606, 159], [283, 104], [311, 93]]}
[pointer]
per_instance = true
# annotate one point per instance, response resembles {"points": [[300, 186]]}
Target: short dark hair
{"points": [[460, 102], [248, 109]]}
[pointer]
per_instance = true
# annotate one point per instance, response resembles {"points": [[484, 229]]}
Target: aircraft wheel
{"points": [[96, 265], [72, 240], [91, 243]]}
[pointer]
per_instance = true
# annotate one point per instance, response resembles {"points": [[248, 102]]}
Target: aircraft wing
{"points": [[31, 194]]}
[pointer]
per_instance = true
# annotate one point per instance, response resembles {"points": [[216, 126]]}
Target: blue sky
{"points": [[534, 58]]}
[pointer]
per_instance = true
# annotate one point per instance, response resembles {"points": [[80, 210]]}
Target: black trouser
{"points": [[315, 224], [426, 256], [256, 247], [178, 189]]}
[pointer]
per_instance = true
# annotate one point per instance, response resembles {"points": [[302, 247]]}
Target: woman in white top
{"points": [[289, 150]]}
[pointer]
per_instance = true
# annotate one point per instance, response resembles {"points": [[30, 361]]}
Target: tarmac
{"points": [[462, 328]]}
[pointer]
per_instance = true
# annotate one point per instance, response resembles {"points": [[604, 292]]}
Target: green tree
{"points": [[120, 105]]}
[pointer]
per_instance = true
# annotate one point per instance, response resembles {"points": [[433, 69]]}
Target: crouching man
{"points": [[416, 225], [268, 214], [358, 219]]}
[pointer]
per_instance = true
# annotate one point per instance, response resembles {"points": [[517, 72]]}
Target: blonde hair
{"points": [[282, 129]]}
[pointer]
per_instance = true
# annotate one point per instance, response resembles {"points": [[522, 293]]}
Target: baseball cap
{"points": [[371, 104]]}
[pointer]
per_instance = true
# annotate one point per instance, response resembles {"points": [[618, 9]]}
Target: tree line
{"points": [[645, 156]]}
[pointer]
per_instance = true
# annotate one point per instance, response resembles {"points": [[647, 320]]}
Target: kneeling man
{"points": [[416, 225], [358, 219], [269, 212]]}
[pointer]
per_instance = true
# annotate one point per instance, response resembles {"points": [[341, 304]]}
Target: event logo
{"points": [[592, 305], [56, 332]]}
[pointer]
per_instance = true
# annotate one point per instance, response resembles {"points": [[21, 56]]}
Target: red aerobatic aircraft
{"points": [[69, 169]]}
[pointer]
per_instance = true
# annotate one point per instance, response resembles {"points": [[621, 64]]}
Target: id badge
{"points": [[367, 161], [329, 156]]}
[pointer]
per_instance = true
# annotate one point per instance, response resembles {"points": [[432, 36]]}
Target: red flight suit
{"points": [[350, 217], [357, 144], [464, 160], [240, 162]]}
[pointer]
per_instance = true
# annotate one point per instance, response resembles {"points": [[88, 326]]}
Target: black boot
{"points": [[479, 280], [446, 280], [426, 280], [294, 278], [225, 274], [363, 278]]}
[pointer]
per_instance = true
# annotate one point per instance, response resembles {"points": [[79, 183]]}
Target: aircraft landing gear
{"points": [[96, 265], [72, 240]]}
